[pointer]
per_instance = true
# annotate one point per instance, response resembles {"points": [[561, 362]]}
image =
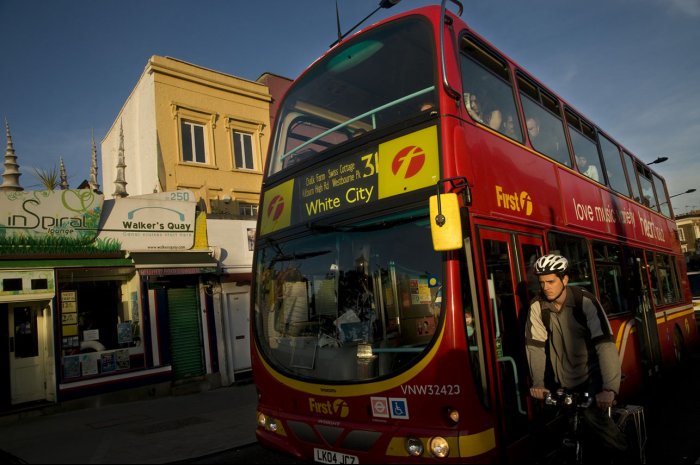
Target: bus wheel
{"points": [[678, 345]]}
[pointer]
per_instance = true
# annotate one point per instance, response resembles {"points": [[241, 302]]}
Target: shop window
{"points": [[100, 318]]}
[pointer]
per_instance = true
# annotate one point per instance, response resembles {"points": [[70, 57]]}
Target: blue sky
{"points": [[67, 66]]}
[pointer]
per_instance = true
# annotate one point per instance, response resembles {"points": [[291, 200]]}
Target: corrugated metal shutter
{"points": [[185, 333]]}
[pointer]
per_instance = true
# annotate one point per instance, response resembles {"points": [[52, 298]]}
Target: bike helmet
{"points": [[551, 264]]}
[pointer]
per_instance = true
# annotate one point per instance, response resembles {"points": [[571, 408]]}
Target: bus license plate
{"points": [[331, 457]]}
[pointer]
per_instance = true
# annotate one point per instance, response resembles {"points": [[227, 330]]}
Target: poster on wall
{"points": [[88, 364], [108, 362], [70, 330], [71, 366], [69, 318], [122, 357], [69, 307], [91, 335], [71, 342], [134, 306], [124, 333]]}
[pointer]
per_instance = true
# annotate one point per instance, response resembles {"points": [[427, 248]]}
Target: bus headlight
{"points": [[414, 447], [262, 419], [453, 415], [439, 447], [272, 425], [269, 423]]}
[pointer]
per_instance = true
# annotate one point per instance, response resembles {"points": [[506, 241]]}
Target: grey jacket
{"points": [[581, 355]]}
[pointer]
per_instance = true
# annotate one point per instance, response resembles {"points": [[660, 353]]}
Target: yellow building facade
{"points": [[187, 127]]}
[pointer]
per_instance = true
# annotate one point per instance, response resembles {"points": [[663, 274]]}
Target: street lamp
{"points": [[658, 160], [689, 191]]}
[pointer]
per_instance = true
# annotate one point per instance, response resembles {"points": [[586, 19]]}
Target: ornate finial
{"points": [[10, 178], [120, 182], [64, 176], [93, 166]]}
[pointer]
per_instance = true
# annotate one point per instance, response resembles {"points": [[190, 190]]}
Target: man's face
{"points": [[532, 127], [552, 285]]}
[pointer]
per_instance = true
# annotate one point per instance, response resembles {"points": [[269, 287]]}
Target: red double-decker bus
{"points": [[414, 176]]}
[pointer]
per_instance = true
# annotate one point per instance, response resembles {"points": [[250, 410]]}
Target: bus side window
{"points": [[488, 92]]}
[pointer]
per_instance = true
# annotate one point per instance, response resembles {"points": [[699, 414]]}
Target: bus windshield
{"points": [[335, 101], [352, 304]]}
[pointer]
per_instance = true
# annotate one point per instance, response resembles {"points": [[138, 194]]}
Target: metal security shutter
{"points": [[185, 333]]}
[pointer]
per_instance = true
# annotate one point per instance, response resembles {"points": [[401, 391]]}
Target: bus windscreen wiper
{"points": [[297, 256]]}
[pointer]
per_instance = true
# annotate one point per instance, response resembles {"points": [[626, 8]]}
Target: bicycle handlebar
{"points": [[567, 399]]}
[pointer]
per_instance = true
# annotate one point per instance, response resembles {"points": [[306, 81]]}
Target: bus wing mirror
{"points": [[445, 222]]}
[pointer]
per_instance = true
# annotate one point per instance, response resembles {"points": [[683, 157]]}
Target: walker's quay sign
{"points": [[151, 222]]}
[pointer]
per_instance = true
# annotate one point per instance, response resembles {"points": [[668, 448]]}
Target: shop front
{"points": [[101, 296]]}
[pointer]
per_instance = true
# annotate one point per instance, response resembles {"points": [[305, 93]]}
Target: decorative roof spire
{"points": [[10, 178], [93, 166], [64, 176], [120, 182]]}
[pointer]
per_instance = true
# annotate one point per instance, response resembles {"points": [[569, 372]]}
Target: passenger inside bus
{"points": [[425, 106], [508, 127], [533, 128], [543, 140], [589, 170], [481, 111]]}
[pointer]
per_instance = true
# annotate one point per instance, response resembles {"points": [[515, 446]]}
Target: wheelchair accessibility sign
{"points": [[398, 407]]}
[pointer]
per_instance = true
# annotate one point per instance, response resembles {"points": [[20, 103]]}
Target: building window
{"points": [[248, 209], [193, 147], [245, 136], [243, 151], [681, 234]]}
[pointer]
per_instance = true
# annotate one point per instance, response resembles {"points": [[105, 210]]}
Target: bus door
{"points": [[645, 316], [506, 261]]}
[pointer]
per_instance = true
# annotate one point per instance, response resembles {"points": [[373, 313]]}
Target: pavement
{"points": [[159, 430], [178, 428]]}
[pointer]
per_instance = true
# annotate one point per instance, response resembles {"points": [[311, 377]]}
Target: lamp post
{"points": [[689, 191], [658, 160]]}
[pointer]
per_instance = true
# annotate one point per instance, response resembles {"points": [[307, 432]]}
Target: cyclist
{"points": [[582, 352]]}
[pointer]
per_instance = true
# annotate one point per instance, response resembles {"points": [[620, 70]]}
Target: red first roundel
{"points": [[276, 207], [414, 156]]}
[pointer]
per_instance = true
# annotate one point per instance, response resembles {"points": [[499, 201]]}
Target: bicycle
{"points": [[570, 406]]}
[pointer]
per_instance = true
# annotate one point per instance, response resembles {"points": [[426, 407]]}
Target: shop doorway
{"points": [[239, 329], [185, 332], [27, 343]]}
